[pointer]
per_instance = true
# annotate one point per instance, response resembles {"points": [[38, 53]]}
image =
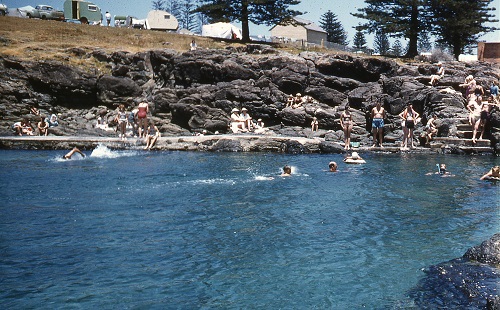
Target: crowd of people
{"points": [[136, 123]]}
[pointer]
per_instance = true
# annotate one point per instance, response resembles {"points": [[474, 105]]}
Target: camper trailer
{"points": [[86, 12], [161, 20]]}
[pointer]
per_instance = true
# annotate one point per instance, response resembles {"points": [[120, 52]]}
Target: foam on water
{"points": [[102, 151]]}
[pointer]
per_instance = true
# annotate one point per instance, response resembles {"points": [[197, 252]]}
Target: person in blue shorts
{"points": [[378, 115]]}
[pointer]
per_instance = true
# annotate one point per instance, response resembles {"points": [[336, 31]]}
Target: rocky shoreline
{"points": [[195, 91], [219, 143]]}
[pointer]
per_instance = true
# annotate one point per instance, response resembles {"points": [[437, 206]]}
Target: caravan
{"points": [[161, 20], [86, 12]]}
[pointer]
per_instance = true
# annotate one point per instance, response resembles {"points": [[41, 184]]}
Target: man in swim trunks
{"points": [[494, 173], [73, 151], [378, 115]]}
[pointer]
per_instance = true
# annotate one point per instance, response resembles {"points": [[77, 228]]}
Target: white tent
{"points": [[221, 30]]}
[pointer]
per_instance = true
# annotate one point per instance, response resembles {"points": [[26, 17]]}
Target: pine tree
{"points": [[460, 23], [335, 31], [396, 18], [267, 12], [397, 49], [381, 43], [187, 18], [159, 5], [175, 8], [359, 41], [424, 42]]}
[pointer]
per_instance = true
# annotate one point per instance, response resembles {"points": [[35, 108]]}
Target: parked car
{"points": [[45, 12], [3, 9]]}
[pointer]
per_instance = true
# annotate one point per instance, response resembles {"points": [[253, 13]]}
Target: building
{"points": [[305, 31], [488, 51]]}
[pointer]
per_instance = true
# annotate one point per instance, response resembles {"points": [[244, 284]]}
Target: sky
{"points": [[313, 8]]}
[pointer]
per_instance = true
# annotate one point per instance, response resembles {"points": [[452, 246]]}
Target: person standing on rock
{"points": [[121, 118], [314, 124], [409, 117], [346, 122], [142, 116], [378, 115], [108, 18]]}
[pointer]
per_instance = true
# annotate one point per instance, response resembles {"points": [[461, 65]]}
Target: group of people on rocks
{"points": [[137, 120], [243, 122], [479, 109], [298, 100], [25, 127]]}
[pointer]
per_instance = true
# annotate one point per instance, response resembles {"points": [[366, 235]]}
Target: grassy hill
{"points": [[41, 39]]}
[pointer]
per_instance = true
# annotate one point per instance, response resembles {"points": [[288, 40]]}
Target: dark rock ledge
{"points": [[469, 282]]}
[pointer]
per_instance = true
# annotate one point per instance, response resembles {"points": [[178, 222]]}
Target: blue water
{"points": [[132, 229]]}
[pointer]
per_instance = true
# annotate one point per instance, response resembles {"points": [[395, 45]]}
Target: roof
{"points": [[309, 25]]}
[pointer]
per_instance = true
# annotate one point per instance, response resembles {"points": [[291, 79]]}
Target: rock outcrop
{"points": [[194, 91], [470, 282]]}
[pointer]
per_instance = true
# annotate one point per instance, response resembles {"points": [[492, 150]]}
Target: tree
{"points": [[460, 23], [175, 8], [381, 43], [359, 40], [397, 48], [267, 12], [424, 42], [187, 18], [397, 18], [159, 5], [335, 31]]}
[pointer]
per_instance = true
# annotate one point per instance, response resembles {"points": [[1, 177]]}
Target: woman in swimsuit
{"points": [[346, 123], [122, 120], [409, 117], [43, 127], [142, 116], [152, 136], [483, 119]]}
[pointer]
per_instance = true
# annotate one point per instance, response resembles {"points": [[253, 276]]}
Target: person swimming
{"points": [[73, 151], [493, 174], [354, 159], [332, 166], [287, 171]]}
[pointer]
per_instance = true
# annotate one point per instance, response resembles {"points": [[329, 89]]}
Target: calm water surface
{"points": [[127, 229]]}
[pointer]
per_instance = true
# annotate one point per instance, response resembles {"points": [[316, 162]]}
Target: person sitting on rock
{"points": [[297, 101], [246, 118], [53, 122], [43, 127], [259, 126], [431, 129], [237, 123], [289, 101], [152, 135], [26, 128], [34, 111], [439, 74]]}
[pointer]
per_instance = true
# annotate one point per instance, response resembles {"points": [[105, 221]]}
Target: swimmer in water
{"points": [[493, 174], [73, 151], [442, 171], [287, 171], [332, 166]]}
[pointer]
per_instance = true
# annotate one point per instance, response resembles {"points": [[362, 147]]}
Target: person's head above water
{"points": [[442, 168], [287, 170], [333, 166]]}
